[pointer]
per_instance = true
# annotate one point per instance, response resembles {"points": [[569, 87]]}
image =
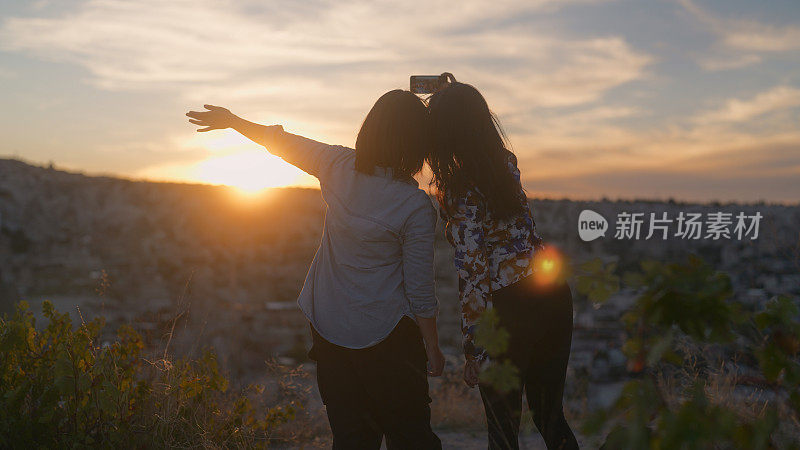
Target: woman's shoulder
{"points": [[341, 158], [511, 161], [421, 210], [512, 158], [469, 204]]}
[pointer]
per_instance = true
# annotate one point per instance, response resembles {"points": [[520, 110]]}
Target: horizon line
{"points": [[602, 198]]}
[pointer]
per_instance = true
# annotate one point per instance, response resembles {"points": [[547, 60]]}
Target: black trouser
{"points": [[377, 391], [539, 322]]}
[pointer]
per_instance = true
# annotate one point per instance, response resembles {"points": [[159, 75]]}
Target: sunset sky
{"points": [[691, 99]]}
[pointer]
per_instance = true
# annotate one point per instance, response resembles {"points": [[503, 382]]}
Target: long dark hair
{"points": [[394, 135], [469, 151]]}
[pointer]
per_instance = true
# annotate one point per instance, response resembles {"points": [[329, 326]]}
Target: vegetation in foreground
{"points": [[704, 373], [61, 387]]}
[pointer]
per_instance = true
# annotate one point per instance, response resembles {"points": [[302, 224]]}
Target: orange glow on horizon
{"points": [[249, 171], [232, 160], [236, 162]]}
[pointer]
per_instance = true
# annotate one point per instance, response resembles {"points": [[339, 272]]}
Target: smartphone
{"points": [[427, 84]]}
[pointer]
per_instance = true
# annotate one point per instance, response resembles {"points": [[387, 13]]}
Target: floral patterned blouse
{"points": [[489, 254]]}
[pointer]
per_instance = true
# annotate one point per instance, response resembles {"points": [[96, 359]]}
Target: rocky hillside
{"points": [[145, 252]]}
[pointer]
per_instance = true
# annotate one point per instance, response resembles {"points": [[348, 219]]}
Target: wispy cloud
{"points": [[317, 66], [267, 49], [748, 35], [726, 61], [703, 167], [741, 41], [746, 148], [737, 110]]}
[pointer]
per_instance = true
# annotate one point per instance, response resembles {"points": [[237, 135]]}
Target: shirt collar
{"points": [[387, 172]]}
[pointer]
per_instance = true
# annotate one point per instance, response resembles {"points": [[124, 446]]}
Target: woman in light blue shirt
{"points": [[369, 293]]}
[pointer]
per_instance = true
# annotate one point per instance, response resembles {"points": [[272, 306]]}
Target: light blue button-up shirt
{"points": [[374, 264]]}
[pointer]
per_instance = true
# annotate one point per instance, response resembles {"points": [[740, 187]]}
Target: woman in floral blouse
{"points": [[490, 226]]}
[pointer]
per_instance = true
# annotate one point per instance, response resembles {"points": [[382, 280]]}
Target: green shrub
{"points": [[683, 331], [60, 387]]}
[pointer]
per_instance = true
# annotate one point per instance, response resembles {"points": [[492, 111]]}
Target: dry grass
{"points": [[730, 385], [455, 405]]}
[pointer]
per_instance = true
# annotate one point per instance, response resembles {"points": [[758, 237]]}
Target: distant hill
{"points": [[60, 230], [134, 248]]}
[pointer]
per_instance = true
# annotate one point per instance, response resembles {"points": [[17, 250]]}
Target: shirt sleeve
{"points": [[310, 156], [418, 270], [465, 228]]}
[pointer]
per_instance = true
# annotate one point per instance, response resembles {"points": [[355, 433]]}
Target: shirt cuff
{"points": [[473, 352], [426, 312]]}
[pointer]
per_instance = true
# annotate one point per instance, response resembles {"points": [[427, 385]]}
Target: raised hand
{"points": [[216, 118]]}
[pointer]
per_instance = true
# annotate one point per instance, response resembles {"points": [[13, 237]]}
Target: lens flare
{"points": [[548, 266]]}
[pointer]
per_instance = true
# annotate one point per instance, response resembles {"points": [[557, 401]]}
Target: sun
{"points": [[249, 171], [234, 161]]}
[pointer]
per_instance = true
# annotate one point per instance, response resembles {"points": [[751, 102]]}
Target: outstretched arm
{"points": [[308, 155], [219, 118]]}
